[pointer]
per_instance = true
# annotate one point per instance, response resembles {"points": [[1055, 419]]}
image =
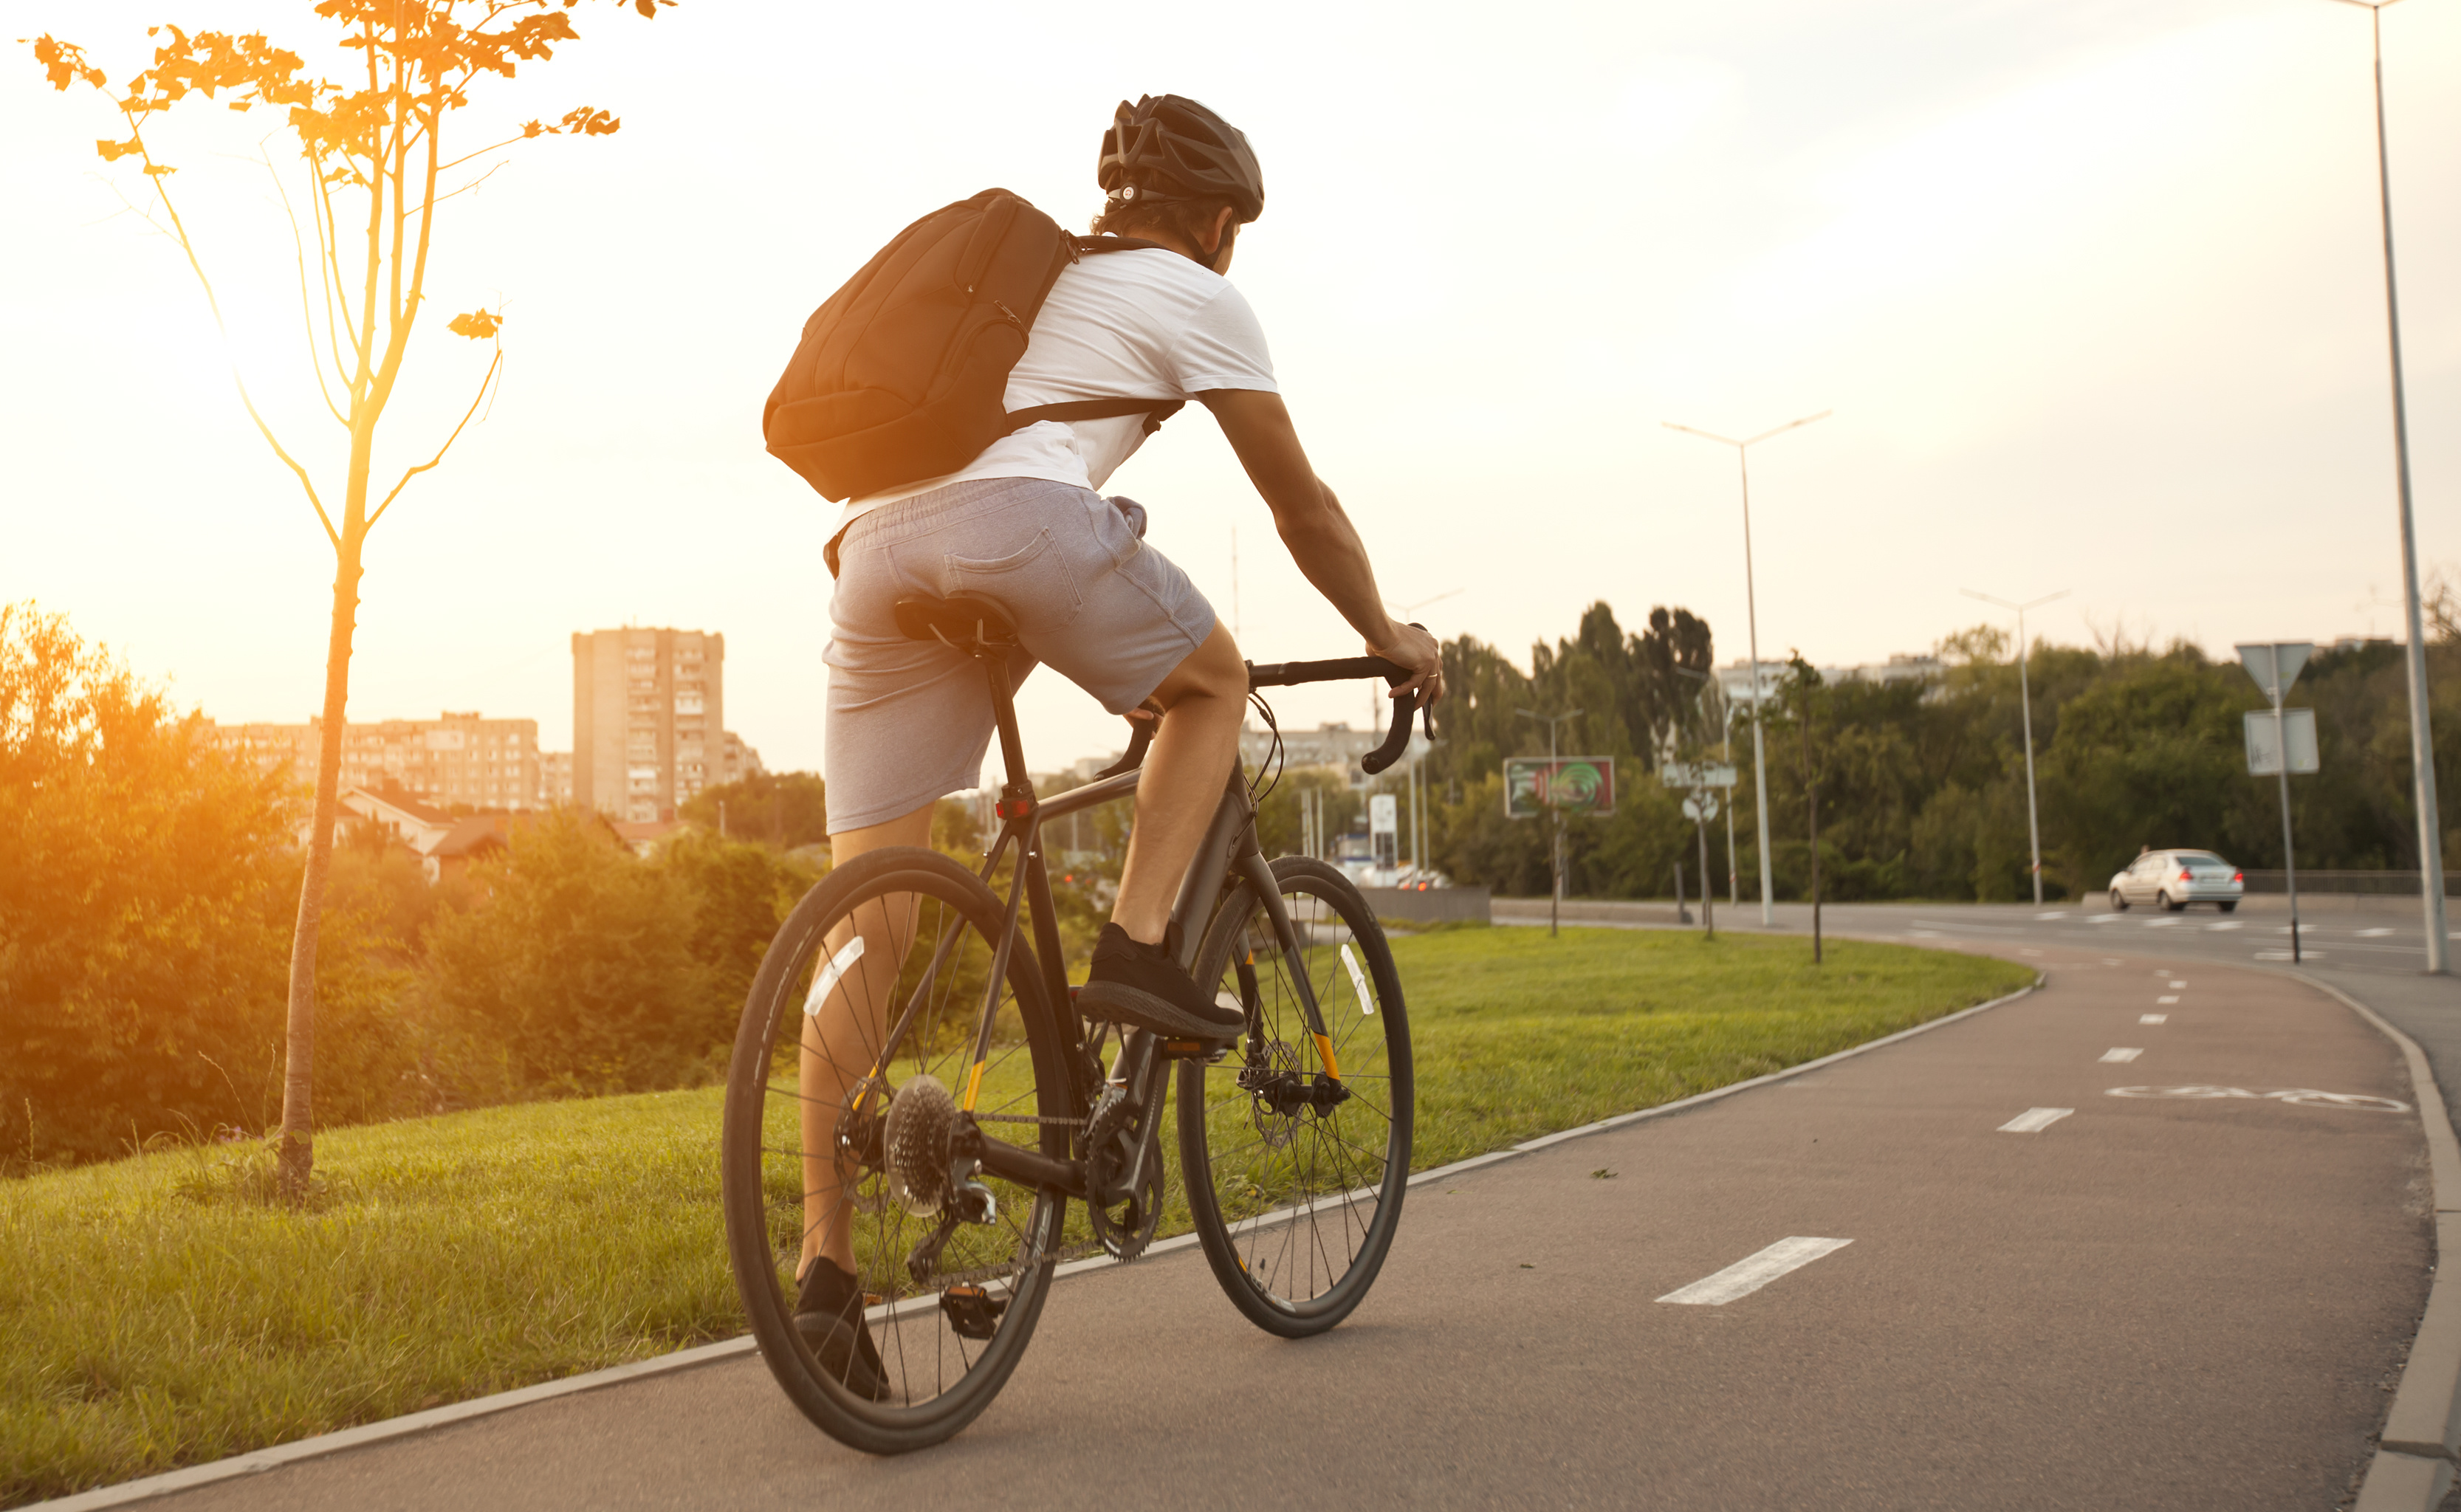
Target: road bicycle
{"points": [[911, 1062]]}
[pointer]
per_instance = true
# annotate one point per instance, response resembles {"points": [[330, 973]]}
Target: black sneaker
{"points": [[828, 1313], [1141, 985]]}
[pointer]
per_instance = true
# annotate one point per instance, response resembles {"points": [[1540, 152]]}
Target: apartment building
{"points": [[648, 720], [464, 759], [740, 762], [555, 778]]}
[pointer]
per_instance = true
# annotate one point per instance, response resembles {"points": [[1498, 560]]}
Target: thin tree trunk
{"points": [[297, 1149]]}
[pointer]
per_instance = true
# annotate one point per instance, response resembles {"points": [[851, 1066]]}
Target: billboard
{"points": [[1535, 785]]}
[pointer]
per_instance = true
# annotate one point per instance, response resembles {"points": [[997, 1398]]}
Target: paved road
{"points": [[2369, 947], [2150, 1302]]}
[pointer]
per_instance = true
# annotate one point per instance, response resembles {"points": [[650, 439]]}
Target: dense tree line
{"points": [[145, 910], [1921, 783]]}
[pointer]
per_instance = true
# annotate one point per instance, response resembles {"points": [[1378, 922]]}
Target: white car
{"points": [[2174, 879]]}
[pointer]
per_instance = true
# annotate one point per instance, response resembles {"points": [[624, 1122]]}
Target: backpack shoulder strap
{"points": [[1088, 245], [1155, 411]]}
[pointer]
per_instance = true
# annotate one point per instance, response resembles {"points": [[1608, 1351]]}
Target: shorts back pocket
{"points": [[1033, 585]]}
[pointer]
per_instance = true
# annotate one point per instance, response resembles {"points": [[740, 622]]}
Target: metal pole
{"points": [[1760, 756], [2289, 862], [1554, 899], [2025, 705], [1709, 906], [2421, 743], [1734, 897], [2025, 711]]}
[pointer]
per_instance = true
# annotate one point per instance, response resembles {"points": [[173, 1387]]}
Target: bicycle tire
{"points": [[1252, 1206], [762, 1154]]}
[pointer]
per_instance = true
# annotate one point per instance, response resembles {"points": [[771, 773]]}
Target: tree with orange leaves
{"points": [[372, 165]]}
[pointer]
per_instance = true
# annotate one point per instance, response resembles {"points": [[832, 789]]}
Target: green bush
{"points": [[574, 973], [145, 914]]}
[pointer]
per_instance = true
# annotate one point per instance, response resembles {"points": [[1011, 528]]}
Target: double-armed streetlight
{"points": [[1752, 621], [2421, 743], [2026, 704]]}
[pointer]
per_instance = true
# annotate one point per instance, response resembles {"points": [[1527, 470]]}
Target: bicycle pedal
{"points": [[972, 1312]]}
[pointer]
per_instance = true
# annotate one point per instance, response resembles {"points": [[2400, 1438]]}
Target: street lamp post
{"points": [[2026, 704], [1752, 621], [1556, 900], [2422, 745]]}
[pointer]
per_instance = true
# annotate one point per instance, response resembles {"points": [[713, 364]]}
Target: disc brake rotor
{"points": [[1279, 1063]]}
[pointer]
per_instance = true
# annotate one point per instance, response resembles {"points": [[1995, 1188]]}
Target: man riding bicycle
{"points": [[1025, 527]]}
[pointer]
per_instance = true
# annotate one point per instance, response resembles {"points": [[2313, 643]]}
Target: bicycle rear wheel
{"points": [[804, 1116], [1295, 1200]]}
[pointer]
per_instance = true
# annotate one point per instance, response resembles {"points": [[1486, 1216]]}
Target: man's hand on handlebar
{"points": [[1411, 646]]}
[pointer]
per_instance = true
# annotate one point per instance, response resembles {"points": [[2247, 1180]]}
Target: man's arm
{"points": [[1318, 534]]}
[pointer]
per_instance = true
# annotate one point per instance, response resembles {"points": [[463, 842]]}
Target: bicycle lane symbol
{"points": [[2296, 1097]]}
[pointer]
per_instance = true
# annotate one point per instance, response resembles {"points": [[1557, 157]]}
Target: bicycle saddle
{"points": [[969, 624]]}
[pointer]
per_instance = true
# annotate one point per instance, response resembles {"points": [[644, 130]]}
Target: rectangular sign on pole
{"points": [[2265, 741], [1692, 774], [1535, 785], [1384, 829]]}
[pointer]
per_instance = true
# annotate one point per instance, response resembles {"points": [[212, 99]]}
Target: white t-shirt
{"points": [[1146, 324]]}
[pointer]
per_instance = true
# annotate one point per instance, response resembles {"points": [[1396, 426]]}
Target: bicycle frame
{"points": [[1228, 856]]}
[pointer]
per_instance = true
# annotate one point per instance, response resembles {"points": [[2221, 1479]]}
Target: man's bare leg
{"points": [[1203, 700], [841, 1043]]}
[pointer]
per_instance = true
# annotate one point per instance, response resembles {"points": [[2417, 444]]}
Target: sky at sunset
{"points": [[2094, 290]]}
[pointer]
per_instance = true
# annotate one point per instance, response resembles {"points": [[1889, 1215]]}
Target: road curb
{"points": [[2415, 1460], [257, 1461]]}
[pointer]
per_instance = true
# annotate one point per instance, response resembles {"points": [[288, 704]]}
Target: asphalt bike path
{"points": [[1850, 1288], [2368, 947]]}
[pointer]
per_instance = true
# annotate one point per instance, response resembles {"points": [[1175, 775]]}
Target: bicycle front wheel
{"points": [[881, 975], [1296, 1189]]}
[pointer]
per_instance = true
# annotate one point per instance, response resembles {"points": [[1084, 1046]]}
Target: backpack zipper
{"points": [[1008, 314]]}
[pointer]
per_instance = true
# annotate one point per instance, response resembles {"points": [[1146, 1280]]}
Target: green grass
{"points": [[153, 1316]]}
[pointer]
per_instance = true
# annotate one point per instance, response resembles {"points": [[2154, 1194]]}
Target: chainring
{"points": [[1125, 1233]]}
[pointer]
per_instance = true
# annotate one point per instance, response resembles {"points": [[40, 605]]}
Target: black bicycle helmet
{"points": [[1168, 147]]}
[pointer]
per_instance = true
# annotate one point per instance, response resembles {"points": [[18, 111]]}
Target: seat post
{"points": [[1004, 713]]}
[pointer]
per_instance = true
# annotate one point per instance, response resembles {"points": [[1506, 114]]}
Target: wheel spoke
{"points": [[929, 932], [1264, 1170]]}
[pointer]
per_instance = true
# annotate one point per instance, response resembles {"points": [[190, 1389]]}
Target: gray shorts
{"points": [[912, 720]]}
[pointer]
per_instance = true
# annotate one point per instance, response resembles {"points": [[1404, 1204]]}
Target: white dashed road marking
{"points": [[2177, 986], [2034, 1121], [2374, 934], [2142, 1018], [1752, 1272], [2224, 926], [2284, 955], [2118, 1053]]}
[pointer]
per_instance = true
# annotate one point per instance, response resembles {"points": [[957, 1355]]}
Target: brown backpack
{"points": [[903, 375]]}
